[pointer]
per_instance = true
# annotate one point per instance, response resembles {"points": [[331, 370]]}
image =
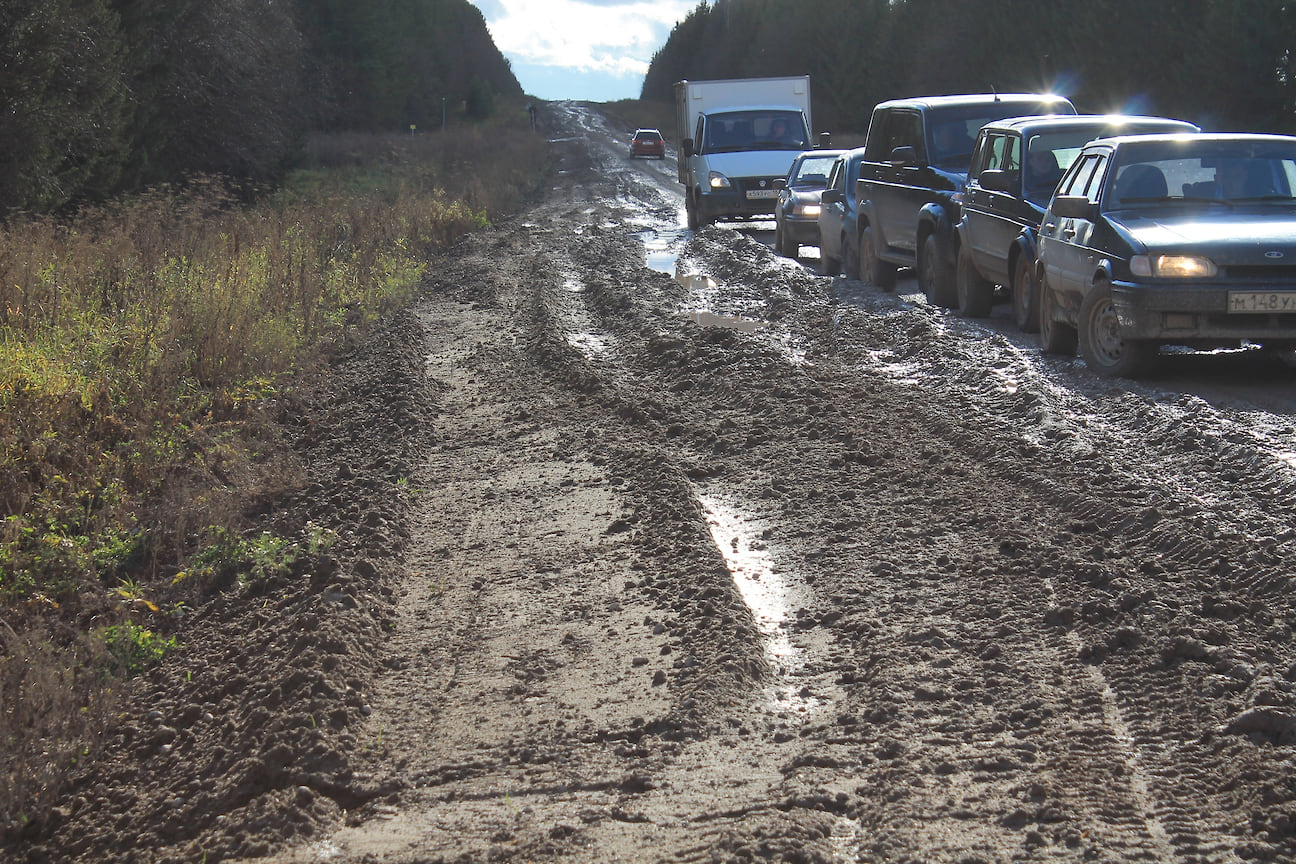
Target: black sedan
{"points": [[796, 213], [1016, 165], [1157, 240]]}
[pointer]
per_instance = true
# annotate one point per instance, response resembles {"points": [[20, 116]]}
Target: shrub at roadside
{"points": [[145, 348]]}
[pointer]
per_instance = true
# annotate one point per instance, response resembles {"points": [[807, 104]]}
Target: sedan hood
{"points": [[1263, 235]]}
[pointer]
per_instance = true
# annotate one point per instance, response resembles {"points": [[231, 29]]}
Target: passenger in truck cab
{"points": [[780, 134], [951, 141]]}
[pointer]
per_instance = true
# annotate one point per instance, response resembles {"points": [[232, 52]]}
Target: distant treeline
{"points": [[101, 96], [1223, 64]]}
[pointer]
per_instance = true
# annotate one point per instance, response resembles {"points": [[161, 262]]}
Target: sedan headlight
{"points": [[1173, 266], [716, 180]]}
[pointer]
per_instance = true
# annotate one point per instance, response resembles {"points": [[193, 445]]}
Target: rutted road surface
{"points": [[743, 563]]}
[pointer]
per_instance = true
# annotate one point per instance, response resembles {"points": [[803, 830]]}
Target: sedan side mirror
{"points": [[1073, 207]]}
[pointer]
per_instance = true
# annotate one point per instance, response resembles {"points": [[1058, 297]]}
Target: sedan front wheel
{"points": [[1025, 296], [1102, 343]]}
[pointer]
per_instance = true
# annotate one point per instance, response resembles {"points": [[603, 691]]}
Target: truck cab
{"points": [[736, 139]]}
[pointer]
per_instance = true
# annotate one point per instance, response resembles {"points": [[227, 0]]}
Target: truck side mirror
{"points": [[904, 156], [999, 180], [832, 196], [825, 140], [780, 183], [687, 144]]}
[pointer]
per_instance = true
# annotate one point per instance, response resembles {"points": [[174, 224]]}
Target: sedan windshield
{"points": [[1215, 173], [813, 171]]}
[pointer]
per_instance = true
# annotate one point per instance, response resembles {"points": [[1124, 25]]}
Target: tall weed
{"points": [[142, 345]]}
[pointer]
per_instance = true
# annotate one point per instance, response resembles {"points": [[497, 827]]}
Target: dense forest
{"points": [[103, 96], [1223, 64]]}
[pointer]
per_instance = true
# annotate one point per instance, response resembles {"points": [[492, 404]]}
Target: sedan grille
{"points": [[1262, 272]]}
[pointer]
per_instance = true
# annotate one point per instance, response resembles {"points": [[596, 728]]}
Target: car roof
{"points": [[1204, 137], [1063, 122], [970, 99], [647, 129], [829, 154]]}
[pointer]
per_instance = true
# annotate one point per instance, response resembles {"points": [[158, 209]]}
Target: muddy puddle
{"points": [[772, 595]]}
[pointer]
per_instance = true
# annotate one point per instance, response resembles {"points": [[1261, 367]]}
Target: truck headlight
{"points": [[810, 211], [716, 180], [1173, 266]]}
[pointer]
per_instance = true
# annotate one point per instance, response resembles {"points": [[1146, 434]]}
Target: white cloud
{"points": [[616, 38]]}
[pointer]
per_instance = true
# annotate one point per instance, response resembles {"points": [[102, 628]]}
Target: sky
{"points": [[594, 50]]}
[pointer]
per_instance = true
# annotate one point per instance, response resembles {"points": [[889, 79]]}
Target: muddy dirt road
{"points": [[661, 548]]}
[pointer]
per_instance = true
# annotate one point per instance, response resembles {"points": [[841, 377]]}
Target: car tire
{"points": [[1102, 345], [1025, 296], [872, 268], [830, 266], [975, 292], [850, 258], [934, 275], [1055, 336], [783, 243]]}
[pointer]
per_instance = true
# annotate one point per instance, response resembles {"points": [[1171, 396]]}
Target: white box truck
{"points": [[736, 138]]}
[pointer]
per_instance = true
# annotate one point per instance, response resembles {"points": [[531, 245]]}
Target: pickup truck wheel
{"points": [[1025, 296], [934, 275], [975, 292], [1102, 344], [872, 268], [1055, 336]]}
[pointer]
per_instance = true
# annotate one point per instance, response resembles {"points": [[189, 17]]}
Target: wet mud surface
{"points": [[722, 560]]}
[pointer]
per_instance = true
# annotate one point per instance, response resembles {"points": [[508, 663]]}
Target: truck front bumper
{"points": [[748, 198]]}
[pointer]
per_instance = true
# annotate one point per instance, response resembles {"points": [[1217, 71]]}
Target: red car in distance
{"points": [[648, 143]]}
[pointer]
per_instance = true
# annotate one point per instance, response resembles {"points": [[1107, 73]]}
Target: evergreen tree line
{"points": [[103, 96], [1223, 64]]}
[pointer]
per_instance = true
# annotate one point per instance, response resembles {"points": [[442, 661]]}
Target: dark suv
{"points": [[916, 158], [1016, 165]]}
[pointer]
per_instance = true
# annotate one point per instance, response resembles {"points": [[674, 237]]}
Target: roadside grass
{"points": [[144, 347]]}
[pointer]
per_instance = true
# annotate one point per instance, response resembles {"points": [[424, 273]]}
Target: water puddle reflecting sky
{"points": [[769, 595]]}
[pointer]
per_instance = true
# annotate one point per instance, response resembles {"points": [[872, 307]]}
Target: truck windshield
{"points": [[755, 130], [953, 130]]}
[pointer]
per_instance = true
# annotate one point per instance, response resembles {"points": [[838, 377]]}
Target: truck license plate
{"points": [[1262, 301], [762, 193]]}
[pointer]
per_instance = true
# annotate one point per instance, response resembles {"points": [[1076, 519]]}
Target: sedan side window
{"points": [[838, 178], [1093, 188], [1081, 173]]}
